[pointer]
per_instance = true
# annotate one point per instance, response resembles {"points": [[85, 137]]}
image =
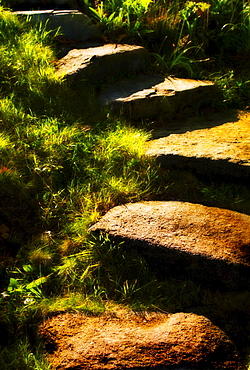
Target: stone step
{"points": [[102, 63], [73, 24], [221, 149], [210, 245], [136, 340], [48, 4], [154, 96]]}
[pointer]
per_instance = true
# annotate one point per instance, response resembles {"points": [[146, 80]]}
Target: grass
{"points": [[63, 165]]}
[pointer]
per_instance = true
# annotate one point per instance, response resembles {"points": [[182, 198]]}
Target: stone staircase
{"points": [[219, 148], [185, 240], [178, 239], [124, 71], [128, 85]]}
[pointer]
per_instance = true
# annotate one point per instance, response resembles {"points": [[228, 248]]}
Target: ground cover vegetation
{"points": [[63, 165]]}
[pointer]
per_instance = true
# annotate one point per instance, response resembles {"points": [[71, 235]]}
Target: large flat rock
{"points": [[61, 4], [102, 63], [72, 23], [125, 340], [221, 150], [211, 245], [148, 96]]}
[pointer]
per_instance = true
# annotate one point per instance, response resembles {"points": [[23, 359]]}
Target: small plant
{"points": [[235, 89], [194, 16], [178, 63], [21, 356], [126, 17], [19, 291]]}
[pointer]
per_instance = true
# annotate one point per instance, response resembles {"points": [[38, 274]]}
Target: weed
{"points": [[178, 63], [21, 356], [126, 17], [235, 89]]}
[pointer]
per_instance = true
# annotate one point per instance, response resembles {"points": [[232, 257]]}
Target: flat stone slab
{"points": [[73, 24], [184, 239], [101, 63], [61, 4], [148, 96], [222, 150], [125, 340]]}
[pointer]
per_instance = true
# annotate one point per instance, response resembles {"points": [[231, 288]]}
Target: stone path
{"points": [[153, 96], [138, 97], [143, 96], [143, 340], [182, 239], [102, 63], [221, 151], [73, 24]]}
